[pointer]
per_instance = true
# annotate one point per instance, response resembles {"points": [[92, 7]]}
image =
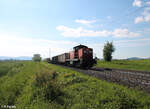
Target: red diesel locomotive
{"points": [[81, 56]]}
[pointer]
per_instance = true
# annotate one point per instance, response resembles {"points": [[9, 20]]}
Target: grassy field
{"points": [[141, 65], [30, 85]]}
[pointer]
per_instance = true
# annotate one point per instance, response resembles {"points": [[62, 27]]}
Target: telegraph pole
{"points": [[50, 53]]}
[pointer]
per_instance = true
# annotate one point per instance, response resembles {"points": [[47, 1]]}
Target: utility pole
{"points": [[94, 55], [50, 53]]}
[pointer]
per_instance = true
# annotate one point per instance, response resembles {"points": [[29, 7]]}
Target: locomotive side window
{"points": [[85, 51], [90, 51]]}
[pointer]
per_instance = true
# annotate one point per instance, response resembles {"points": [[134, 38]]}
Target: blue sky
{"points": [[34, 26]]}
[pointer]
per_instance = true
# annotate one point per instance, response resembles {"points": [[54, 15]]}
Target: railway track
{"points": [[133, 79]]}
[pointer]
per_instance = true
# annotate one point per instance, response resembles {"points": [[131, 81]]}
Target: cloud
{"points": [[148, 3], [12, 45], [138, 19], [85, 22], [146, 30], [124, 33], [132, 43], [146, 14], [145, 17], [137, 3], [109, 17], [81, 32]]}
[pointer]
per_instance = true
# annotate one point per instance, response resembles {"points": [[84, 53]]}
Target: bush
{"points": [[4, 70], [48, 84]]}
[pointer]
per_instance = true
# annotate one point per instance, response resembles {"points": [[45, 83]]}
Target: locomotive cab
{"points": [[76, 50], [82, 56]]}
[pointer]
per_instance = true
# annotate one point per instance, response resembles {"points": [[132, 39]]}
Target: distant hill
{"points": [[137, 58], [15, 58]]}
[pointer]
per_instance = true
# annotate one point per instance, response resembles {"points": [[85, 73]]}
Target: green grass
{"points": [[46, 86], [7, 67], [141, 65]]}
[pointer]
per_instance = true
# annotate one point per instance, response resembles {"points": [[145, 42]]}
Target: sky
{"points": [[52, 27]]}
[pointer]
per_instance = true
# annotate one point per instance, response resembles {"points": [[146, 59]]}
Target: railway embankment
{"points": [[139, 80], [134, 79]]}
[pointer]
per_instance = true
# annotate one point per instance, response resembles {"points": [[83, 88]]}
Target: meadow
{"points": [[140, 65], [39, 85]]}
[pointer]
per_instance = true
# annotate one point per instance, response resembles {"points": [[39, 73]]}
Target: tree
{"points": [[36, 57], [108, 50]]}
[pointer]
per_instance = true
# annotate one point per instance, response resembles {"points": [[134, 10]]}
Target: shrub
{"points": [[47, 82], [4, 70]]}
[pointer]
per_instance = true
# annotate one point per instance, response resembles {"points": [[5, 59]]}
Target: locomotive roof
{"points": [[79, 46]]}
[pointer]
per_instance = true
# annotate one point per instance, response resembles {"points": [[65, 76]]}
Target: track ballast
{"points": [[133, 79]]}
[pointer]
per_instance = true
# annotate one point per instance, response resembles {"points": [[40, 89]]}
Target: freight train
{"points": [[81, 56]]}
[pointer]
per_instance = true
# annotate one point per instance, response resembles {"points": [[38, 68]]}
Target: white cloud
{"points": [[138, 19], [145, 16], [137, 3], [124, 33], [85, 22], [133, 41], [11, 45], [146, 30], [109, 17], [81, 32], [148, 3]]}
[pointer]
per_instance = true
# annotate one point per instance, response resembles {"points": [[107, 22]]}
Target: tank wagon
{"points": [[81, 56]]}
